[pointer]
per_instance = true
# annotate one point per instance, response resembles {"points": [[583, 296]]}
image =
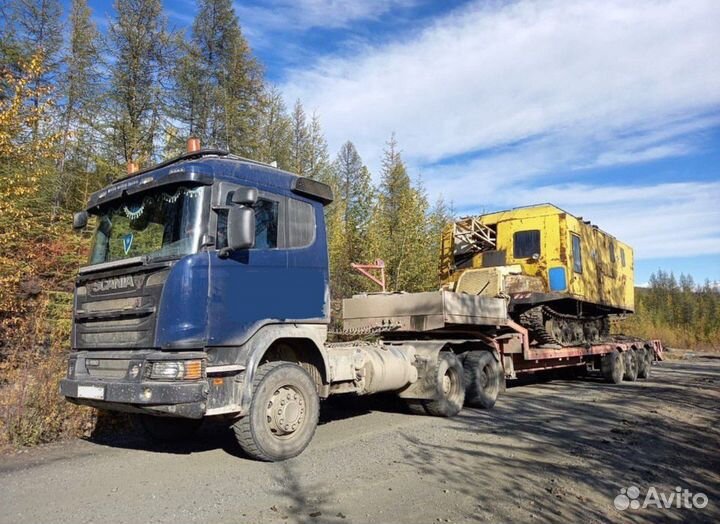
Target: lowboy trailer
{"points": [[207, 295]]}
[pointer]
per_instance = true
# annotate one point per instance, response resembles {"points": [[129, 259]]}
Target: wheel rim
{"points": [[485, 377], [449, 384], [446, 383], [285, 412]]}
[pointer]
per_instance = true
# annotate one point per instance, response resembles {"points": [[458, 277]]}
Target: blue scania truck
{"points": [[207, 295]]}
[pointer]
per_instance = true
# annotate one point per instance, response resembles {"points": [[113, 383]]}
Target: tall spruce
{"points": [[80, 84], [140, 44], [299, 148], [37, 30], [399, 228], [276, 132], [220, 86], [348, 220]]}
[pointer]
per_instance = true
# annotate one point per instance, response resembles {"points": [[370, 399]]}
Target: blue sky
{"points": [[609, 109]]}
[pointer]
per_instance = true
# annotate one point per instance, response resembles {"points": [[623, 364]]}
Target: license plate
{"points": [[95, 392]]}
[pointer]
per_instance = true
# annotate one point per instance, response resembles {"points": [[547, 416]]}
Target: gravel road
{"points": [[555, 451]]}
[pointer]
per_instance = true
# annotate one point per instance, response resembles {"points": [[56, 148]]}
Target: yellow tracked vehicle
{"points": [[563, 276]]}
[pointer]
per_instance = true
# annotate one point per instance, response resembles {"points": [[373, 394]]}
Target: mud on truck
{"points": [[207, 295]]}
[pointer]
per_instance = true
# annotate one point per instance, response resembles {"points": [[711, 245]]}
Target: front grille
{"points": [[118, 318], [107, 368]]}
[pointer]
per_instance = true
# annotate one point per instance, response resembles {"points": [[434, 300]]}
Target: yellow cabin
{"points": [[541, 255]]}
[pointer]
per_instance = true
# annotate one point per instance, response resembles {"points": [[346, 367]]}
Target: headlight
{"points": [[176, 370]]}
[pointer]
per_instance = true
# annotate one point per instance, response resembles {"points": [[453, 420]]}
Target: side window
{"points": [[577, 254], [526, 243], [622, 257], [301, 223], [266, 223], [612, 252]]}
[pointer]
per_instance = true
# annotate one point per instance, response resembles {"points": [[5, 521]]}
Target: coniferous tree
{"points": [[220, 86], [36, 30], [398, 232], [275, 132], [80, 83], [317, 152], [348, 220], [300, 161], [140, 43]]}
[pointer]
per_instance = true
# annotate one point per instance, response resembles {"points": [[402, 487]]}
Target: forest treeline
{"points": [[78, 104], [680, 312]]}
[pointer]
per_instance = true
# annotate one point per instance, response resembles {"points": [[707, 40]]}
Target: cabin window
{"points": [[622, 257], [526, 243], [577, 254], [612, 252], [266, 223], [301, 223]]}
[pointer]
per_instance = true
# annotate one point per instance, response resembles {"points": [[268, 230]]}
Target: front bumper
{"points": [[177, 398]]}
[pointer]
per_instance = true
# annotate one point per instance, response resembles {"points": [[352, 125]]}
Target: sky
{"points": [[610, 110]]}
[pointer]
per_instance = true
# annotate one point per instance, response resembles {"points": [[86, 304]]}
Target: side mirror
{"points": [[241, 228], [80, 220], [245, 196]]}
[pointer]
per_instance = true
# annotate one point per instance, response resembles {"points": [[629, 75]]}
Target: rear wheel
{"points": [[631, 365], [450, 390], [167, 429], [613, 367], [483, 378], [645, 356], [283, 413]]}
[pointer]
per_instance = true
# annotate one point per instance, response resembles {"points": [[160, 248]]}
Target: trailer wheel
{"points": [[283, 413], [631, 366], [645, 356], [450, 390], [483, 377], [166, 429], [613, 367]]}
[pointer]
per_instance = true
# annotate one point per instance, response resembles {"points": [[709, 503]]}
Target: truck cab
{"points": [[199, 267]]}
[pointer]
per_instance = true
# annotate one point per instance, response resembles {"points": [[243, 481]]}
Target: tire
{"points": [[644, 362], [645, 358], [613, 367], [483, 379], [283, 413], [449, 387], [416, 406], [167, 429], [631, 366]]}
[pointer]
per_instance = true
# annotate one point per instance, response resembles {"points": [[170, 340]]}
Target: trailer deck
{"points": [[422, 312]]}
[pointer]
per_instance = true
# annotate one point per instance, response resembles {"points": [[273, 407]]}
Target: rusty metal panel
{"points": [[417, 312]]}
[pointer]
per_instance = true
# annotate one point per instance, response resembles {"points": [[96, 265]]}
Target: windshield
{"points": [[165, 222]]}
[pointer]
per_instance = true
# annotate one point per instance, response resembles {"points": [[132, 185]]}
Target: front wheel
{"points": [[283, 413]]}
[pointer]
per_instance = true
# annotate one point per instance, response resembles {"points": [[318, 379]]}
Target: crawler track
{"points": [[550, 327]]}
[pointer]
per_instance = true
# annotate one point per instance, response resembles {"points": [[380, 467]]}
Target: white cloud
{"points": [[487, 76], [294, 15], [491, 101]]}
